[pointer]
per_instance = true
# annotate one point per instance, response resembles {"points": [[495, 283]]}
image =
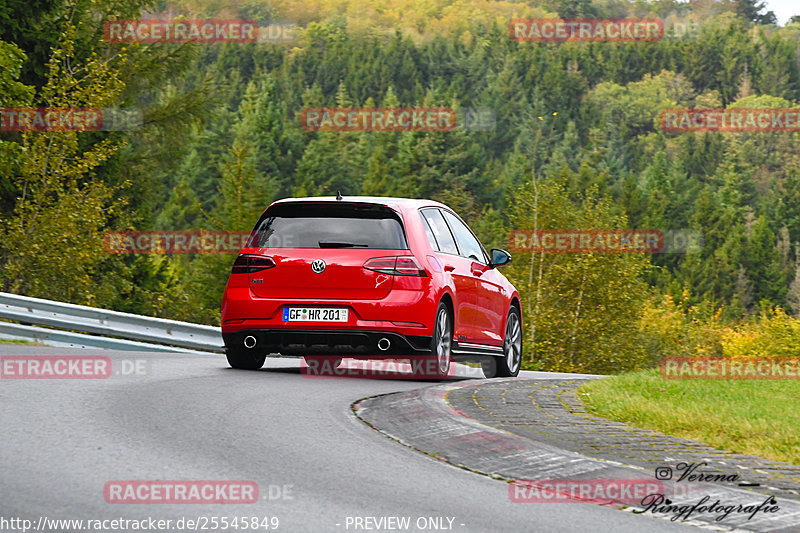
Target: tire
{"points": [[245, 360], [508, 365], [437, 365]]}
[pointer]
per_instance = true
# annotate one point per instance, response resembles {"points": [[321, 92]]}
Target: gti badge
{"points": [[318, 266]]}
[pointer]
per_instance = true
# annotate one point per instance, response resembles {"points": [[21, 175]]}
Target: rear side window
{"points": [[295, 225], [444, 239], [467, 243], [429, 234]]}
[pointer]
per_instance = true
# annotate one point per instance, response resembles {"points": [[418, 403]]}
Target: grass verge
{"points": [[20, 341], [754, 417]]}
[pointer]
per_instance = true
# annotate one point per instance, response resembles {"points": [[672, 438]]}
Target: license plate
{"points": [[314, 314]]}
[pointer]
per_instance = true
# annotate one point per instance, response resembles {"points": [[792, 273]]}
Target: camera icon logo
{"points": [[663, 473]]}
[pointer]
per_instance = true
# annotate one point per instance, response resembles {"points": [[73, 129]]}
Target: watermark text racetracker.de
{"points": [[114, 525], [180, 31], [180, 242], [586, 30], [604, 490], [733, 368], [604, 241], [734, 120], [378, 119], [167, 492], [70, 367], [397, 119], [400, 368], [69, 119]]}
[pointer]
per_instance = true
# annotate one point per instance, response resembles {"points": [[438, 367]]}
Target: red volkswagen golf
{"points": [[370, 278]]}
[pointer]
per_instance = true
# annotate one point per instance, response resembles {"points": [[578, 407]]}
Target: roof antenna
{"points": [[338, 196]]}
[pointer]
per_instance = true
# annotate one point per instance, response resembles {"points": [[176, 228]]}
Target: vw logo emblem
{"points": [[318, 266]]}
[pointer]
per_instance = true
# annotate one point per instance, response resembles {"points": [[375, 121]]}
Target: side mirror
{"points": [[499, 257]]}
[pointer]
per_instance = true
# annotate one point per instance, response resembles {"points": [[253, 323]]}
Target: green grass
{"points": [[10, 341], [754, 417]]}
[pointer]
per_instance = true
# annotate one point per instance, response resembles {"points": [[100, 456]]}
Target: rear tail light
{"points": [[404, 265], [384, 265], [408, 266], [247, 264]]}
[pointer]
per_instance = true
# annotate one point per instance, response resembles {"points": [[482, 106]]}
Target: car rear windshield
{"points": [[294, 225]]}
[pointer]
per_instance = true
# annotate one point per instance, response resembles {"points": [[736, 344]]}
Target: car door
{"points": [[459, 270], [487, 300]]}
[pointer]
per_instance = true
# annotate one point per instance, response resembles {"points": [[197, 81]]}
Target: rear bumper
{"points": [[329, 342], [405, 312]]}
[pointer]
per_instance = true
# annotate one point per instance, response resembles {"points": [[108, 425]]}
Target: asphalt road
{"points": [[190, 417]]}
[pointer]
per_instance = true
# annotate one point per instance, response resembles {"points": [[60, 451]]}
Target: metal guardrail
{"points": [[108, 329], [69, 339]]}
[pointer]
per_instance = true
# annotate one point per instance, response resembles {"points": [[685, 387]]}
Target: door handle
{"points": [[449, 268]]}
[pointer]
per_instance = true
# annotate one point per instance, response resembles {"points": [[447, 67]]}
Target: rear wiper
{"points": [[335, 244]]}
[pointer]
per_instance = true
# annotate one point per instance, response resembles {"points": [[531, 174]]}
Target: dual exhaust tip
{"points": [[250, 343]]}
